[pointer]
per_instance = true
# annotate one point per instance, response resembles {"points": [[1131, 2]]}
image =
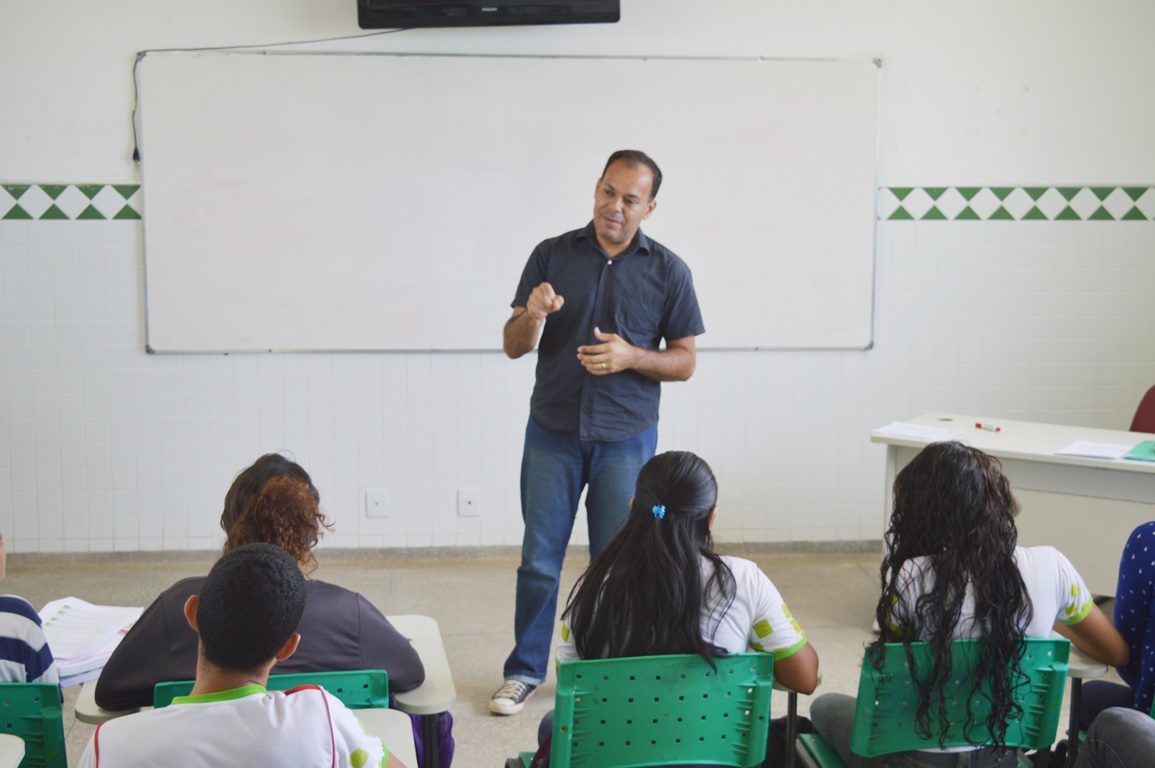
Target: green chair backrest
{"points": [[32, 712], [884, 717], [662, 710], [357, 689]]}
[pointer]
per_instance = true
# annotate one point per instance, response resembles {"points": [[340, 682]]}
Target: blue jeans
{"points": [[554, 469], [1101, 694], [833, 718], [1119, 738]]}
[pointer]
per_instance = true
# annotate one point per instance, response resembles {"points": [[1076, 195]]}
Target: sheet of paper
{"points": [[919, 432], [67, 681], [75, 627], [1094, 450], [1144, 451]]}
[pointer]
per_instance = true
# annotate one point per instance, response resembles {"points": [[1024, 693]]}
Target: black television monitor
{"points": [[404, 14]]}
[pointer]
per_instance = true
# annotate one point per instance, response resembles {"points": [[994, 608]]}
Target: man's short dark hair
{"points": [[636, 157], [250, 605]]}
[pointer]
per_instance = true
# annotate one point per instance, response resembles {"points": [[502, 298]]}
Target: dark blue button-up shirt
{"points": [[645, 294]]}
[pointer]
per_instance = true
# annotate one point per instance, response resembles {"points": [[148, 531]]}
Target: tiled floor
{"points": [[470, 594]]}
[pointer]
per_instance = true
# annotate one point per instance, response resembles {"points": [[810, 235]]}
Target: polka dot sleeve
{"points": [[1134, 617]]}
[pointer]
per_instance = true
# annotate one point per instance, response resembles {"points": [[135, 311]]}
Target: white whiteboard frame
{"points": [[337, 202]]}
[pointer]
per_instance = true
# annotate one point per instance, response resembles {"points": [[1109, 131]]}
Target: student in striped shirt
{"points": [[24, 653]]}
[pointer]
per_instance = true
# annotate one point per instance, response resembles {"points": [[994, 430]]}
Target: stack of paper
{"points": [[919, 432], [1144, 451], [1093, 450], [82, 636]]}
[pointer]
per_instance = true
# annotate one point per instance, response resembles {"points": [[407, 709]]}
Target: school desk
{"points": [[1085, 507]]}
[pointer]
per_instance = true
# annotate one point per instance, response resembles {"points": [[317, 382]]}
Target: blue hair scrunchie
{"points": [[660, 511]]}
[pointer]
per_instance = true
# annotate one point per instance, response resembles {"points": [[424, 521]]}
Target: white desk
{"points": [[438, 693], [11, 750], [88, 711], [395, 729], [1085, 507]]}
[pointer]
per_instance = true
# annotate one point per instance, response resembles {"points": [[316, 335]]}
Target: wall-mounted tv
{"points": [[402, 14]]}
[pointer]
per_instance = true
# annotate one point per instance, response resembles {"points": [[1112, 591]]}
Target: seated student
{"points": [[1135, 620], [24, 653], [245, 615], [1118, 738], [273, 501], [660, 588], [952, 570]]}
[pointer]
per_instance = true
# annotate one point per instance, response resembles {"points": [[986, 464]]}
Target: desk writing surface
{"points": [[88, 711], [1028, 440], [395, 729], [438, 692], [11, 750]]}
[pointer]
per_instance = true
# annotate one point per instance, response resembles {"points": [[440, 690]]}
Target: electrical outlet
{"points": [[468, 502], [376, 502]]}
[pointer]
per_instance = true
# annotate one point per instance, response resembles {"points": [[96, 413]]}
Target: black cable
{"points": [[257, 47]]}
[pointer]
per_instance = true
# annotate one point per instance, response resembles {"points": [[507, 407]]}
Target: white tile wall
{"points": [[103, 447]]}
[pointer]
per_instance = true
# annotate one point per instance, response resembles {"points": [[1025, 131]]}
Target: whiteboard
{"points": [[311, 202]]}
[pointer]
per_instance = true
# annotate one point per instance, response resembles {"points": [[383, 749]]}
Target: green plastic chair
{"points": [[884, 720], [357, 689], [32, 712], [661, 710]]}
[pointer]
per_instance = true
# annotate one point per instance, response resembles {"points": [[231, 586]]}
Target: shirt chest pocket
{"points": [[638, 312]]}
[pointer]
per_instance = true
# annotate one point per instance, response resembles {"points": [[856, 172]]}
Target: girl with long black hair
{"points": [[659, 587], [953, 570]]}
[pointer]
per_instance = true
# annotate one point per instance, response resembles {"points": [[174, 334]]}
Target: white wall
{"points": [[103, 447], [982, 92]]}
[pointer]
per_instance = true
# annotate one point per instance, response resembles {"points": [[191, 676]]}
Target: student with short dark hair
{"points": [[245, 616]]}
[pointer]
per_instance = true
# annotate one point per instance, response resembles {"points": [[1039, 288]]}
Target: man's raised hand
{"points": [[543, 301]]}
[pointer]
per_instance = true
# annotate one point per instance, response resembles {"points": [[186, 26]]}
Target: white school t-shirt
{"points": [[304, 727], [1056, 590], [758, 619]]}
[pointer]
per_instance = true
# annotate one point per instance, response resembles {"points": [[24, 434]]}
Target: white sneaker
{"points": [[510, 697]]}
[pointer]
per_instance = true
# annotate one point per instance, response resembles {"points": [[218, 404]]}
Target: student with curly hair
{"points": [[274, 502], [953, 570]]}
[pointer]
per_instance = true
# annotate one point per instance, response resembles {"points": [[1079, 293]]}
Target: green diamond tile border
{"points": [[1024, 203], [937, 203], [105, 201]]}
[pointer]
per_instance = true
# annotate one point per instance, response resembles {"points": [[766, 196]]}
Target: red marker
{"points": [[988, 427]]}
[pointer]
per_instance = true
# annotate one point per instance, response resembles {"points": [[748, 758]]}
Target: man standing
{"points": [[607, 296]]}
